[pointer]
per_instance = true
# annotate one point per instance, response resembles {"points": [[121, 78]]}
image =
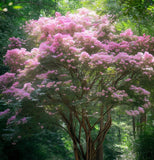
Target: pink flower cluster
{"points": [[15, 43], [45, 75], [4, 112], [15, 59], [84, 56], [119, 95], [28, 87], [11, 119], [127, 33], [135, 112], [22, 121], [139, 90], [131, 43], [19, 93], [45, 28], [6, 80], [148, 57]]}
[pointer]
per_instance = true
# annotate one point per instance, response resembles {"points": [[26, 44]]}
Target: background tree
{"points": [[137, 15]]}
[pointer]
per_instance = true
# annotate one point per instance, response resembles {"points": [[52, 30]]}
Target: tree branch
{"points": [[103, 115]]}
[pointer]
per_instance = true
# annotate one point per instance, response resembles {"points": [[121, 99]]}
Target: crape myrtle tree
{"points": [[80, 70]]}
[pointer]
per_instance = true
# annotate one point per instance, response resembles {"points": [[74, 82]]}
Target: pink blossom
{"points": [[60, 82], [17, 92], [15, 43], [57, 89], [50, 84], [87, 89], [32, 63], [146, 105], [140, 90], [129, 113], [84, 56], [44, 47], [15, 58], [68, 82], [102, 58], [35, 52], [6, 79], [21, 93], [57, 14], [24, 120], [11, 119], [5, 112], [120, 94], [42, 127], [68, 61], [136, 112], [128, 32], [50, 113], [42, 76], [19, 137], [127, 80], [148, 57], [28, 87], [141, 110], [130, 100]]}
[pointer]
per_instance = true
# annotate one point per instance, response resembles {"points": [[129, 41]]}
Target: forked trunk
{"points": [[92, 149]]}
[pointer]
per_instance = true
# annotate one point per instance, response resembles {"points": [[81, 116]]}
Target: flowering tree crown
{"points": [[81, 62]]}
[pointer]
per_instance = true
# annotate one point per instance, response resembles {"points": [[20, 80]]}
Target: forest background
{"points": [[129, 137]]}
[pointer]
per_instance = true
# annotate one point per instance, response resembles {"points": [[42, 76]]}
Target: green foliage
{"points": [[24, 10], [144, 145], [25, 149], [65, 6], [140, 12], [110, 147], [138, 8], [137, 15], [29, 140], [42, 146]]}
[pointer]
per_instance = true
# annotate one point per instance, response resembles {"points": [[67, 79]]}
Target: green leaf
{"points": [[17, 7], [96, 127]]}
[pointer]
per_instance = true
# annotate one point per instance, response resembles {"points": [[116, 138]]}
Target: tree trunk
{"points": [[103, 131], [99, 153], [143, 120], [76, 153], [94, 147], [133, 123]]}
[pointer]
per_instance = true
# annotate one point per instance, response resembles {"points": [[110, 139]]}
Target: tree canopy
{"points": [[79, 70]]}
